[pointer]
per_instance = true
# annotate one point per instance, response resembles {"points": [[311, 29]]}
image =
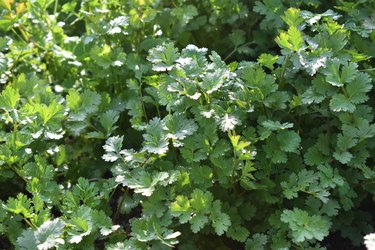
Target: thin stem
{"points": [[231, 53], [144, 163], [365, 70], [19, 37], [55, 8], [158, 110], [15, 170], [112, 193], [235, 49], [143, 103], [115, 217], [282, 74], [28, 222], [234, 166]]}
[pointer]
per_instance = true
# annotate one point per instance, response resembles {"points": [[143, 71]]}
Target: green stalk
{"points": [[282, 74]]}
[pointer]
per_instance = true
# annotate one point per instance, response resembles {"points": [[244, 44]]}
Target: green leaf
{"points": [[257, 242], [333, 73], [163, 57], [82, 105], [303, 226], [292, 17], [19, 205], [349, 72], [156, 140], [273, 152], [343, 156], [49, 234], [108, 120], [197, 222], [288, 140], [276, 125], [358, 89], [330, 177], [228, 122], [298, 183], [213, 81], [143, 182], [194, 149], [73, 100], [237, 37], [238, 233], [314, 157], [179, 128], [268, 60], [9, 98], [142, 229], [112, 148], [292, 39], [331, 208], [181, 208], [81, 225], [346, 141], [220, 221], [103, 222], [334, 77], [185, 14], [52, 114], [202, 175], [27, 241], [201, 201], [340, 102]]}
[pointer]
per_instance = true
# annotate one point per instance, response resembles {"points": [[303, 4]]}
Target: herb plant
{"points": [[186, 124]]}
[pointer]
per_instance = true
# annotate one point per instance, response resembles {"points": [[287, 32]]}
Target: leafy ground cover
{"points": [[186, 124]]}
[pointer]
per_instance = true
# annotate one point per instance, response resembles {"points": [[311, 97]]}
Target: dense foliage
{"points": [[209, 124]]}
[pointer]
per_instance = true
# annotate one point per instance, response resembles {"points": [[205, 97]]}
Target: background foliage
{"points": [[210, 124]]}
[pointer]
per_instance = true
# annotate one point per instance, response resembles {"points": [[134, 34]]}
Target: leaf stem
{"points": [[282, 74], [115, 217], [15, 170], [55, 7], [235, 49], [28, 222]]}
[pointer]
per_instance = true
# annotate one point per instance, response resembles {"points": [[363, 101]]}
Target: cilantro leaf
{"points": [[340, 102], [112, 148], [156, 140], [82, 104], [292, 39], [228, 122], [268, 60], [220, 221], [27, 241], [49, 234], [358, 89], [257, 242], [304, 226], [9, 98], [238, 233], [338, 76], [197, 222], [288, 140], [276, 125], [179, 128], [163, 57], [143, 182], [292, 17], [201, 201], [181, 208]]}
